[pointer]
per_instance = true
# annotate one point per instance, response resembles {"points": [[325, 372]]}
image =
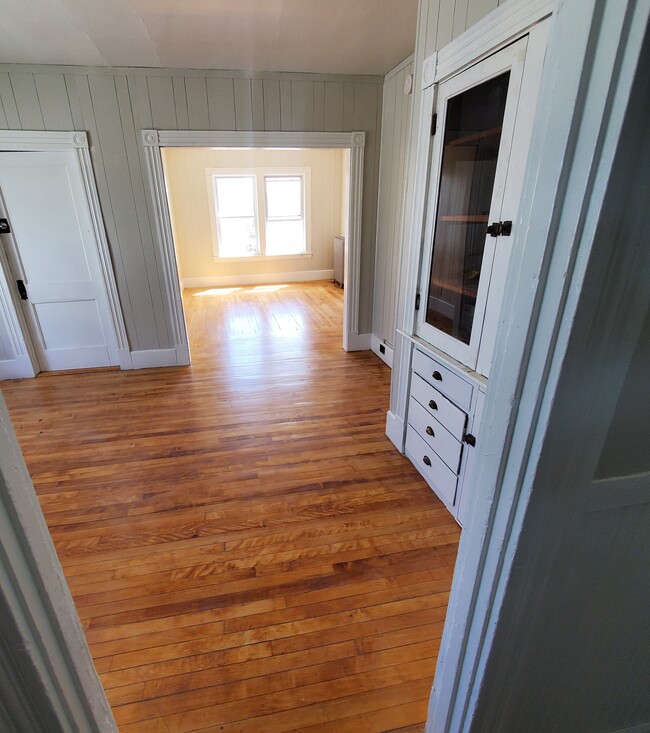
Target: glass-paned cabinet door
{"points": [[476, 113]]}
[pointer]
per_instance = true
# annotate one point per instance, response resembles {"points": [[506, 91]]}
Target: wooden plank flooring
{"points": [[246, 549]]}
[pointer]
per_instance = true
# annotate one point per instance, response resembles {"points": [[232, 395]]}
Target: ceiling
{"points": [[323, 36]]}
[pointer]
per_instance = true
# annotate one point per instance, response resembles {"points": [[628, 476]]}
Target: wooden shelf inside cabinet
{"points": [[469, 292], [475, 136], [467, 218]]}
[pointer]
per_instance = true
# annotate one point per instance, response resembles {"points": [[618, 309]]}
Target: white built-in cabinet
{"points": [[478, 108]]}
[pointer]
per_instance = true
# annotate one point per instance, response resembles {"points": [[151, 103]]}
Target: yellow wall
{"points": [[185, 172]]}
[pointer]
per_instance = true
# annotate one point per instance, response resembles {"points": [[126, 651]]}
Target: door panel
{"points": [[52, 248]]}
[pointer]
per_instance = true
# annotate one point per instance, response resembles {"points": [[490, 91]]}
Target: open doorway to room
{"points": [[259, 235]]}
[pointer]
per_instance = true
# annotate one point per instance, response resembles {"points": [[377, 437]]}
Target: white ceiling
{"points": [[326, 36]]}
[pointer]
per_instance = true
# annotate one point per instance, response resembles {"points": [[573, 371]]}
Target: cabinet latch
{"points": [[500, 229], [470, 439], [417, 302]]}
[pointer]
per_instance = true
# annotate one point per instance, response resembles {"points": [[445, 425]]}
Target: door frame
{"points": [[154, 140], [22, 141]]}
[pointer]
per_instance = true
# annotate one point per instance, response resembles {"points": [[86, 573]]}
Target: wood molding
{"points": [[496, 30], [154, 140], [264, 278], [39, 140], [395, 430], [387, 356], [150, 358]]}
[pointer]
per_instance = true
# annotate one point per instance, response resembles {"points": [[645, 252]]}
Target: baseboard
{"points": [[258, 279], [395, 430], [124, 359], [183, 355], [18, 368], [154, 358], [359, 341], [386, 355]]}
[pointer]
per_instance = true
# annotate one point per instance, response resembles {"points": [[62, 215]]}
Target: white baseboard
{"points": [[386, 355], [154, 358], [124, 359], [18, 368], [359, 341], [395, 430], [183, 355], [258, 279]]}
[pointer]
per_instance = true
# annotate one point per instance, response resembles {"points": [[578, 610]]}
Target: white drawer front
{"points": [[435, 472], [439, 406], [435, 435], [443, 379]]}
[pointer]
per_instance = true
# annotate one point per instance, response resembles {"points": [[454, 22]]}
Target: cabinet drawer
{"points": [[435, 435], [443, 379], [435, 472], [439, 406]]}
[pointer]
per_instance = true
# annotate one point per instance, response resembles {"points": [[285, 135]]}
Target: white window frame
{"points": [[260, 175]]}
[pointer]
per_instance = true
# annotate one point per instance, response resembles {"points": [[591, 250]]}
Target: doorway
{"points": [[255, 232], [352, 144], [60, 308]]}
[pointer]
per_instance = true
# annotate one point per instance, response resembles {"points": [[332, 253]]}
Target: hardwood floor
{"points": [[246, 549]]}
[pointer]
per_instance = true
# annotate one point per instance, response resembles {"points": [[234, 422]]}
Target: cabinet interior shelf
{"points": [[467, 218], [475, 136]]}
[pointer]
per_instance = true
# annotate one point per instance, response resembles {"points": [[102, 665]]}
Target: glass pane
{"points": [[472, 134], [235, 195], [285, 237], [283, 197], [237, 237]]}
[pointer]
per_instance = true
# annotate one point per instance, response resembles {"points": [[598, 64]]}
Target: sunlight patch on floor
{"points": [[216, 291]]}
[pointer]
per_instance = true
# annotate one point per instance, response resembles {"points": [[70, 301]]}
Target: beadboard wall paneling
{"points": [[395, 136], [185, 173], [113, 105]]}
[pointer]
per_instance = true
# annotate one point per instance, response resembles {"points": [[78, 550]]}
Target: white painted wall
{"points": [[113, 105], [395, 137], [185, 174]]}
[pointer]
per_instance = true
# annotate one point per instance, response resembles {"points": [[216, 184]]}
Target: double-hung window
{"points": [[260, 212]]}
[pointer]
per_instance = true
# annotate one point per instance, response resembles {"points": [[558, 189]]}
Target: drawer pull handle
{"points": [[433, 405], [427, 461], [437, 376], [429, 430]]}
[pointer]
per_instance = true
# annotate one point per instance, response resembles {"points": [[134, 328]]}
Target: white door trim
{"points": [[77, 141], [154, 140]]}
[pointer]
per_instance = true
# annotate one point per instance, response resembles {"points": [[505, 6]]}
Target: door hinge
{"points": [[22, 289], [434, 124], [4, 227], [499, 229], [417, 302]]}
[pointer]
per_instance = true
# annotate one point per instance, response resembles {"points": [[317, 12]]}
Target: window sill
{"points": [[258, 258]]}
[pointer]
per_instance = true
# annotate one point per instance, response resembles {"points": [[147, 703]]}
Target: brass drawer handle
{"points": [[427, 461], [429, 431], [437, 376], [433, 405]]}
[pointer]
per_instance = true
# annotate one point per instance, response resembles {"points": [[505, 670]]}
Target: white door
{"points": [[54, 260]]}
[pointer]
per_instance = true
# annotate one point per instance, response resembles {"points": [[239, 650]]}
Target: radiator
{"points": [[339, 261]]}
